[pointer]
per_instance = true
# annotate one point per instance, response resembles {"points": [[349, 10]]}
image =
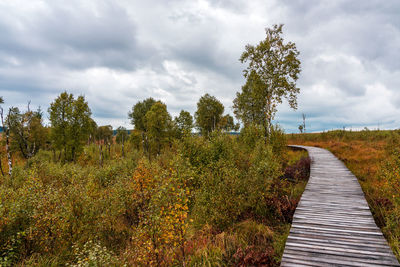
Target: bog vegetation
{"points": [[374, 157]]}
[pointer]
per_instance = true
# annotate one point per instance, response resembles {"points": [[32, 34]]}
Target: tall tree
{"points": [[28, 134], [80, 125], [6, 132], [272, 71], [60, 115], [249, 105], [70, 121], [92, 131], [158, 125], [183, 123], [208, 114], [138, 113]]}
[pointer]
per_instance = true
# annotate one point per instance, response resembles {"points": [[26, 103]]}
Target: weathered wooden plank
{"points": [[333, 225], [343, 237], [346, 242], [334, 260], [357, 250]]}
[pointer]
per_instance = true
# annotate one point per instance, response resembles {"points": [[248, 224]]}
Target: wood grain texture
{"points": [[333, 225]]}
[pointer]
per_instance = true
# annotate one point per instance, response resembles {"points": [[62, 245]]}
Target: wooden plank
{"points": [[338, 241], [332, 224], [334, 260]]}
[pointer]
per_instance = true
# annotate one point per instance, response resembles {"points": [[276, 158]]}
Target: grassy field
{"points": [[219, 201], [374, 157]]}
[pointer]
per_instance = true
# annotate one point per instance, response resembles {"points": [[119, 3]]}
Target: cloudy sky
{"points": [[119, 52]]}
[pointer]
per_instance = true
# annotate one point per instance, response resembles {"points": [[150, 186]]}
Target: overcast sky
{"points": [[117, 53]]}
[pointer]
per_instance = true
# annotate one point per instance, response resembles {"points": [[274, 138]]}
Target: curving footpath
{"points": [[332, 225]]}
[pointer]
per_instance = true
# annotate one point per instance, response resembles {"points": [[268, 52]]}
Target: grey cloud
{"points": [[74, 36], [116, 52]]}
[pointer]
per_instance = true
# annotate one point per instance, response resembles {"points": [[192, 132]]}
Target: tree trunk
{"points": [[123, 150], [1, 168], [8, 152], [101, 155], [73, 153], [267, 125], [7, 131]]}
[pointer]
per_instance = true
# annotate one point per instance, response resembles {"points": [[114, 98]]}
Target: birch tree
{"points": [[272, 71]]}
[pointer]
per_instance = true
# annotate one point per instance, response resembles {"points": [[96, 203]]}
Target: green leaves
{"points": [[71, 124], [138, 113], [183, 123], [158, 124], [272, 71], [208, 114]]}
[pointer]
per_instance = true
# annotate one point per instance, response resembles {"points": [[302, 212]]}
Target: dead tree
{"points": [[7, 132]]}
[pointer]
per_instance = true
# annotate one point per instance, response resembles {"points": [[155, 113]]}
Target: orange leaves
{"points": [[164, 213]]}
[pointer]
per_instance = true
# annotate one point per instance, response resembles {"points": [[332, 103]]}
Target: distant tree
{"points": [[70, 121], [122, 135], [304, 122], [158, 125], [104, 134], [28, 134], [92, 131], [121, 138], [272, 71], [301, 128], [184, 123], [138, 113], [208, 114], [228, 124]]}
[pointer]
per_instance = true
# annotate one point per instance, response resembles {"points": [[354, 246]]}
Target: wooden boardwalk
{"points": [[332, 225]]}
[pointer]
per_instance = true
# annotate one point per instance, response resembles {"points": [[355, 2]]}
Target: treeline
{"points": [[72, 126]]}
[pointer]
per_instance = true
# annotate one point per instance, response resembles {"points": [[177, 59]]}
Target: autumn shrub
{"points": [[163, 212], [221, 196], [277, 141], [250, 135], [298, 171], [229, 192]]}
